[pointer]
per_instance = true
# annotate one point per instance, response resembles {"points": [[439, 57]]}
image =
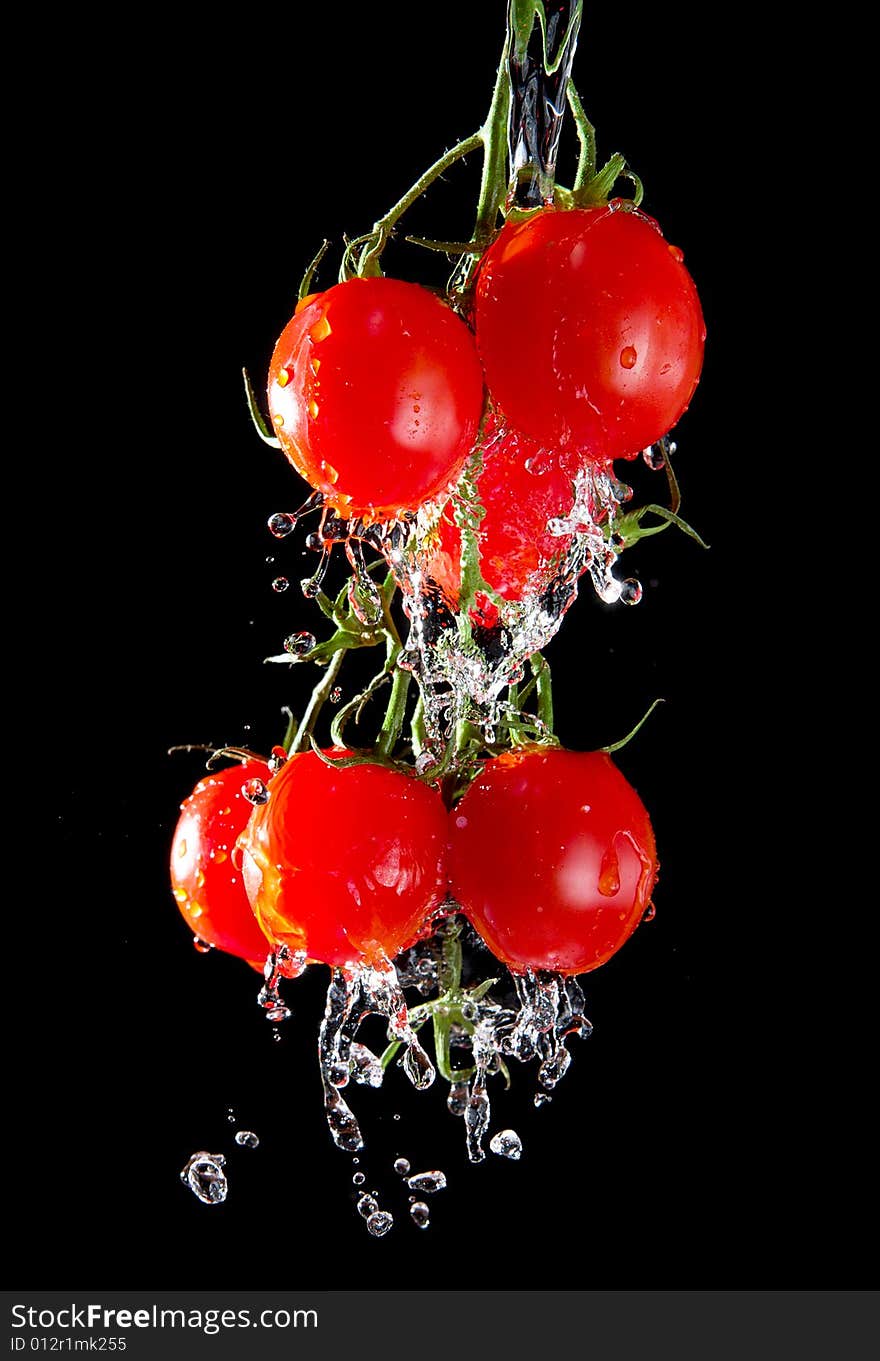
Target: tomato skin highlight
{"points": [[346, 864], [552, 858], [207, 885], [376, 393], [590, 330]]}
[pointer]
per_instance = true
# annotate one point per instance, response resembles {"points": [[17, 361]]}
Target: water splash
{"points": [[507, 1144], [466, 658]]}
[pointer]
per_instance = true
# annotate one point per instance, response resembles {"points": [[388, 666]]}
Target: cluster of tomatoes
{"points": [[549, 853], [582, 343]]}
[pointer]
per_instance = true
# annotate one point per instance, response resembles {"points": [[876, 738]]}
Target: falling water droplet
{"points": [[367, 1205], [281, 524], [507, 1144], [420, 1214], [255, 791], [280, 584], [631, 591], [299, 644], [457, 1100], [654, 457], [427, 1182], [401, 1166], [379, 1223], [359, 1178], [204, 1176], [245, 1138]]}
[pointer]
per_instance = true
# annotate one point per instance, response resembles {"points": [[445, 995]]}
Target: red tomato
{"points": [[348, 864], [590, 330], [552, 858], [376, 393], [208, 888], [521, 488]]}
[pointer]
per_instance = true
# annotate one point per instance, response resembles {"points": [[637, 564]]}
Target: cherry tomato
{"points": [[521, 489], [590, 329], [346, 864], [552, 858], [207, 886], [376, 393]]}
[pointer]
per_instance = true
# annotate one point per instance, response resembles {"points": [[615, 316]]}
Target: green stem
{"points": [[392, 724], [319, 696], [586, 138], [541, 672], [368, 264]]}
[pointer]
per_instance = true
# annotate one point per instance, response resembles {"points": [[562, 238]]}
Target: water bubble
{"points": [[367, 1205], [204, 1176], [379, 1223], [457, 1100], [401, 1166], [280, 584], [427, 1182], [299, 644], [281, 524], [255, 791], [359, 1178], [202, 945], [631, 591], [245, 1138], [420, 1214], [507, 1144]]}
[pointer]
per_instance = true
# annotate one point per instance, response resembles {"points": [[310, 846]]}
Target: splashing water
{"points": [[466, 658]]}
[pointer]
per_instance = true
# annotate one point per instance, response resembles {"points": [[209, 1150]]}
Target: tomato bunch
{"points": [[549, 853]]}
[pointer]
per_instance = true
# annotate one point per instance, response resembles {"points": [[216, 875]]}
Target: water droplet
{"points": [[255, 791], [359, 1178], [282, 524], [649, 913], [277, 759], [245, 1138], [631, 591], [420, 1214], [204, 1176], [609, 874], [677, 254], [628, 357], [427, 1182], [457, 1100], [654, 457], [379, 1223], [543, 1098], [401, 1166], [336, 694], [367, 1205], [299, 644], [230, 1115], [280, 584], [507, 1144], [278, 419], [202, 946]]}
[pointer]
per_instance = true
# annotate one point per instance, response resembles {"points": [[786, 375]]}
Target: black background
{"points": [[708, 1132]]}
